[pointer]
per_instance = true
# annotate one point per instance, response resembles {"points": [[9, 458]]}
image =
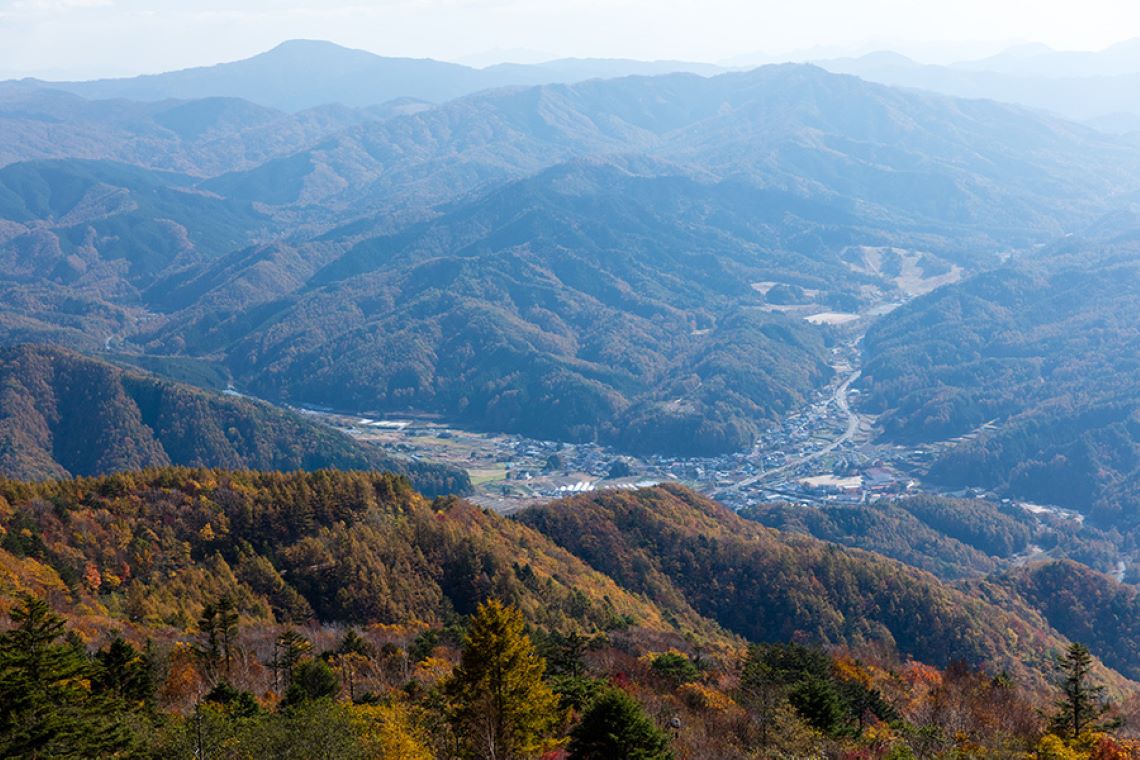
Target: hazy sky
{"points": [[87, 38]]}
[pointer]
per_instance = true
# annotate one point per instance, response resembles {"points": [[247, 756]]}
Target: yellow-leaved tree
{"points": [[501, 708], [387, 732]]}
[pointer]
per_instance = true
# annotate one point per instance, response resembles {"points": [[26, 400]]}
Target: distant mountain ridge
{"points": [[1041, 60], [301, 74], [1094, 87], [793, 126], [1099, 88], [204, 137]]}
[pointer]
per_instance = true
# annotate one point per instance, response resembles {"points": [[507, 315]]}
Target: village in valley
{"points": [[825, 452]]}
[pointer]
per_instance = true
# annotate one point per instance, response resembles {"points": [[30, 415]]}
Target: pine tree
{"points": [[234, 702], [125, 673], [1082, 702], [312, 680], [352, 653], [616, 726], [47, 707], [564, 653], [351, 642], [501, 707], [218, 629], [288, 649]]}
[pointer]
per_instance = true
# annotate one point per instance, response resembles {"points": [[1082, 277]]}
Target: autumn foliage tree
{"points": [[501, 707]]}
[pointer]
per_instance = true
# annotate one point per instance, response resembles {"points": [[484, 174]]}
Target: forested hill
{"points": [[148, 550], [593, 302], [1048, 352], [688, 553], [1083, 605], [338, 615], [63, 413]]}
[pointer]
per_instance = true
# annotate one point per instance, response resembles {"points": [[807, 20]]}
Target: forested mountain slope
{"points": [[1050, 353], [1083, 605], [591, 302], [973, 167], [686, 552], [65, 414], [149, 549], [203, 137], [581, 262], [951, 538], [153, 547], [330, 614], [82, 241], [93, 224]]}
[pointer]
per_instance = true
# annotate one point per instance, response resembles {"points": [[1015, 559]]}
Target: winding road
{"points": [[844, 405]]}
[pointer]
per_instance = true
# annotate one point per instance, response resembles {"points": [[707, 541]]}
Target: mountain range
{"points": [[631, 218], [667, 260], [627, 260], [303, 74]]}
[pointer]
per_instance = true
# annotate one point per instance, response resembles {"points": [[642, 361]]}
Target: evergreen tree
{"points": [[47, 707], [616, 726], [236, 703], [564, 653], [675, 668], [1082, 702], [218, 628], [288, 649], [312, 679], [125, 673], [352, 653], [352, 643], [818, 701], [764, 691], [501, 707]]}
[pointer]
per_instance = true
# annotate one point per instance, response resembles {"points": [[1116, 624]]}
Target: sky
{"points": [[84, 39]]}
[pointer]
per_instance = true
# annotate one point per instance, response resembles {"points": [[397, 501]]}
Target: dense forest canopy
{"points": [[686, 552], [272, 613], [364, 549]]}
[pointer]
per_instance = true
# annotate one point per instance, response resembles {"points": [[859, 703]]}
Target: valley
{"points": [[824, 453]]}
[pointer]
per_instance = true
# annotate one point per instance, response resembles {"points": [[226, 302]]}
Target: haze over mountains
{"points": [[302, 74], [1096, 87], [632, 212]]}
